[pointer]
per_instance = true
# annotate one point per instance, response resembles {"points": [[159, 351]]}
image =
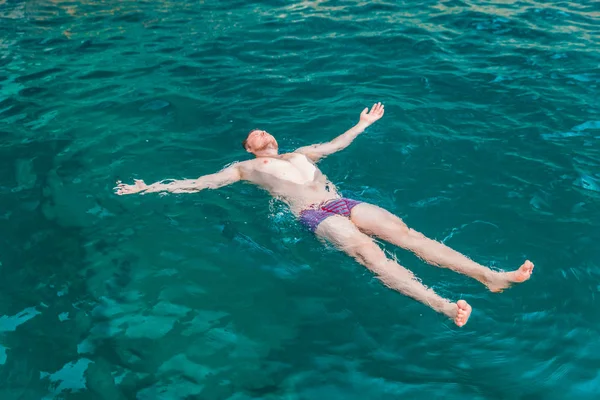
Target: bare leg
{"points": [[376, 221], [346, 236]]}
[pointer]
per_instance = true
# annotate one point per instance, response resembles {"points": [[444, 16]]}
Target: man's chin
{"points": [[269, 146]]}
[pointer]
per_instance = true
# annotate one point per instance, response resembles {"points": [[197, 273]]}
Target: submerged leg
{"points": [[376, 221], [346, 236]]}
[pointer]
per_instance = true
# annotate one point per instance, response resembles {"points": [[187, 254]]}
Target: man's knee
{"points": [[411, 239], [415, 235], [366, 251], [356, 242]]}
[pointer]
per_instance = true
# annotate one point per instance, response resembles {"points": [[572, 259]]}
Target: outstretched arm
{"points": [[318, 151], [222, 178]]}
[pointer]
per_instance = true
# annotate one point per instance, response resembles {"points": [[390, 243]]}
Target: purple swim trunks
{"points": [[311, 218]]}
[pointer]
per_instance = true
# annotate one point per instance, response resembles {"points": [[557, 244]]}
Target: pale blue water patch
{"points": [[10, 323], [3, 355], [69, 379], [203, 320], [587, 125]]}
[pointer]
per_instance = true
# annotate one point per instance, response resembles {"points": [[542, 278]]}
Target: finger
{"points": [[364, 111]]}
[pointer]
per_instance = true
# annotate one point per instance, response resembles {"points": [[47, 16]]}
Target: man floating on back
{"points": [[347, 223]]}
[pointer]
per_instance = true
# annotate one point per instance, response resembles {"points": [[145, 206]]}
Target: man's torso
{"points": [[291, 177]]}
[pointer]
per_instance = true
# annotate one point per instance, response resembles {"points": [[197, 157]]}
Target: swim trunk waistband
{"points": [[311, 218]]}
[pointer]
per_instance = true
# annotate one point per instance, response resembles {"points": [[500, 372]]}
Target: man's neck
{"points": [[267, 153]]}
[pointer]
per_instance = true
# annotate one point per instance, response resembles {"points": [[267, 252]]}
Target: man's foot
{"points": [[503, 280], [463, 312]]}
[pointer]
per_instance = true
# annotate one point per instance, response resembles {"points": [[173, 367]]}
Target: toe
{"points": [[463, 313], [529, 267]]}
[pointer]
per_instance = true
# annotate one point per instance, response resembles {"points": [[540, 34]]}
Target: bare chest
{"points": [[295, 169]]}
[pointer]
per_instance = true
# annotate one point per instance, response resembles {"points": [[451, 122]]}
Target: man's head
{"points": [[260, 143]]}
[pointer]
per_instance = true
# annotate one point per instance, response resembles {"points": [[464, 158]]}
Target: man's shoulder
{"points": [[246, 165], [296, 153]]}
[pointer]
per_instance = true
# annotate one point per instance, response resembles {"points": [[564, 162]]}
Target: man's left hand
{"points": [[368, 117]]}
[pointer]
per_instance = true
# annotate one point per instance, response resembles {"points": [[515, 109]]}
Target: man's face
{"points": [[259, 140]]}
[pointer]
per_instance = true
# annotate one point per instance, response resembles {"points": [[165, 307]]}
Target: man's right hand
{"points": [[137, 187], [367, 118]]}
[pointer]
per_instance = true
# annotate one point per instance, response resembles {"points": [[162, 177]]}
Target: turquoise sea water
{"points": [[490, 142]]}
